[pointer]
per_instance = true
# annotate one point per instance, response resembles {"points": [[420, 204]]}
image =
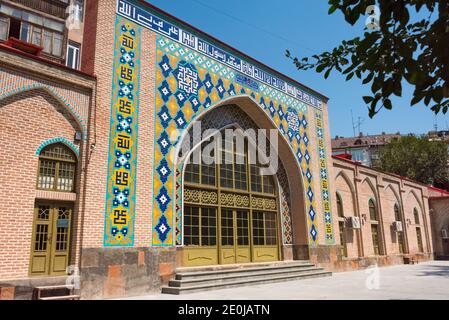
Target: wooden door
{"points": [[51, 239]]}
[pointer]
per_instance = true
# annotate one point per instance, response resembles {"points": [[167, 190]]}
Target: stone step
{"points": [[245, 281], [42, 288], [249, 265], [69, 297], [54, 292], [253, 270], [262, 274]]}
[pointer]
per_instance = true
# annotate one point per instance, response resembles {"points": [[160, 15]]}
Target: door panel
{"points": [[51, 240], [61, 239], [264, 231], [227, 250], [243, 250], [40, 247]]}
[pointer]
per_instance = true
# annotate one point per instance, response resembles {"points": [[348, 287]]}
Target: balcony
{"points": [[55, 8]]}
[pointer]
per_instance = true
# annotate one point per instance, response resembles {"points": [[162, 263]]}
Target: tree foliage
{"points": [[401, 49], [417, 158]]}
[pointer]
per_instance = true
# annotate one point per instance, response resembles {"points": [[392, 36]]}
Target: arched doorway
{"points": [[50, 243], [271, 231], [231, 212]]}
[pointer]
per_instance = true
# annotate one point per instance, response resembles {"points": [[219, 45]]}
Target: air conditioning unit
{"points": [[444, 234], [397, 225], [354, 222]]}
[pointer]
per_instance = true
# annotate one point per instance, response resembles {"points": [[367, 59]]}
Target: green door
{"points": [[51, 239]]}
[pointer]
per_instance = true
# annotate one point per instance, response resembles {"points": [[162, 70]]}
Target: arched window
{"points": [[340, 206], [375, 229], [230, 207], [418, 230], [372, 210], [416, 215], [341, 226], [57, 168], [397, 217]]}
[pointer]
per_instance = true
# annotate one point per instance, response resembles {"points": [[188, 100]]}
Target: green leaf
{"points": [[320, 68], [368, 78], [368, 99]]}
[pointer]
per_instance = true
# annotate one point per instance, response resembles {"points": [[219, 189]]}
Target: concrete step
{"points": [[217, 279], [196, 279], [69, 297], [244, 282], [64, 286], [185, 274], [55, 292]]}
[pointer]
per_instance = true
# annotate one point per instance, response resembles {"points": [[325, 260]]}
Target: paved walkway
{"points": [[428, 280]]}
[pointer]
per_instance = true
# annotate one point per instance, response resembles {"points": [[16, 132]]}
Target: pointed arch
{"points": [[296, 180], [396, 195], [64, 141], [346, 178], [372, 187], [65, 108], [413, 193]]}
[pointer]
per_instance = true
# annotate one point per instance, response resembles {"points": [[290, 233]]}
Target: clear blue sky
{"points": [[265, 29]]}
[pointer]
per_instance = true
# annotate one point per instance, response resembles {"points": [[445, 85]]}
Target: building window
{"points": [[418, 230], [416, 215], [241, 203], [77, 9], [32, 28], [400, 234], [341, 226], [57, 167], [372, 210], [200, 226], [73, 55], [376, 240], [419, 239], [340, 206], [374, 227], [343, 243], [4, 28], [264, 228]]}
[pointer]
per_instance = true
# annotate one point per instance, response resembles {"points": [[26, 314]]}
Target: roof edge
{"points": [[391, 174]]}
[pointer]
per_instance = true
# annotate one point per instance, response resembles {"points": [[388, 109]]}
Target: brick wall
{"points": [[358, 184], [26, 120], [440, 220]]}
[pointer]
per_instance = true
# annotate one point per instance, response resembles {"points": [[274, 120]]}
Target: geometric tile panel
{"points": [[324, 179], [121, 182], [188, 84]]}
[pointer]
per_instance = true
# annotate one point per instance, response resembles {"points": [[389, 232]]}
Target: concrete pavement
{"points": [[428, 280]]}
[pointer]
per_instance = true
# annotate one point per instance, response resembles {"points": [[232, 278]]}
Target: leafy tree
{"points": [[401, 48], [417, 158]]}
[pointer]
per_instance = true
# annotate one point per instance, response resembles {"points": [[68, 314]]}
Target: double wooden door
{"points": [[235, 236], [51, 239]]}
